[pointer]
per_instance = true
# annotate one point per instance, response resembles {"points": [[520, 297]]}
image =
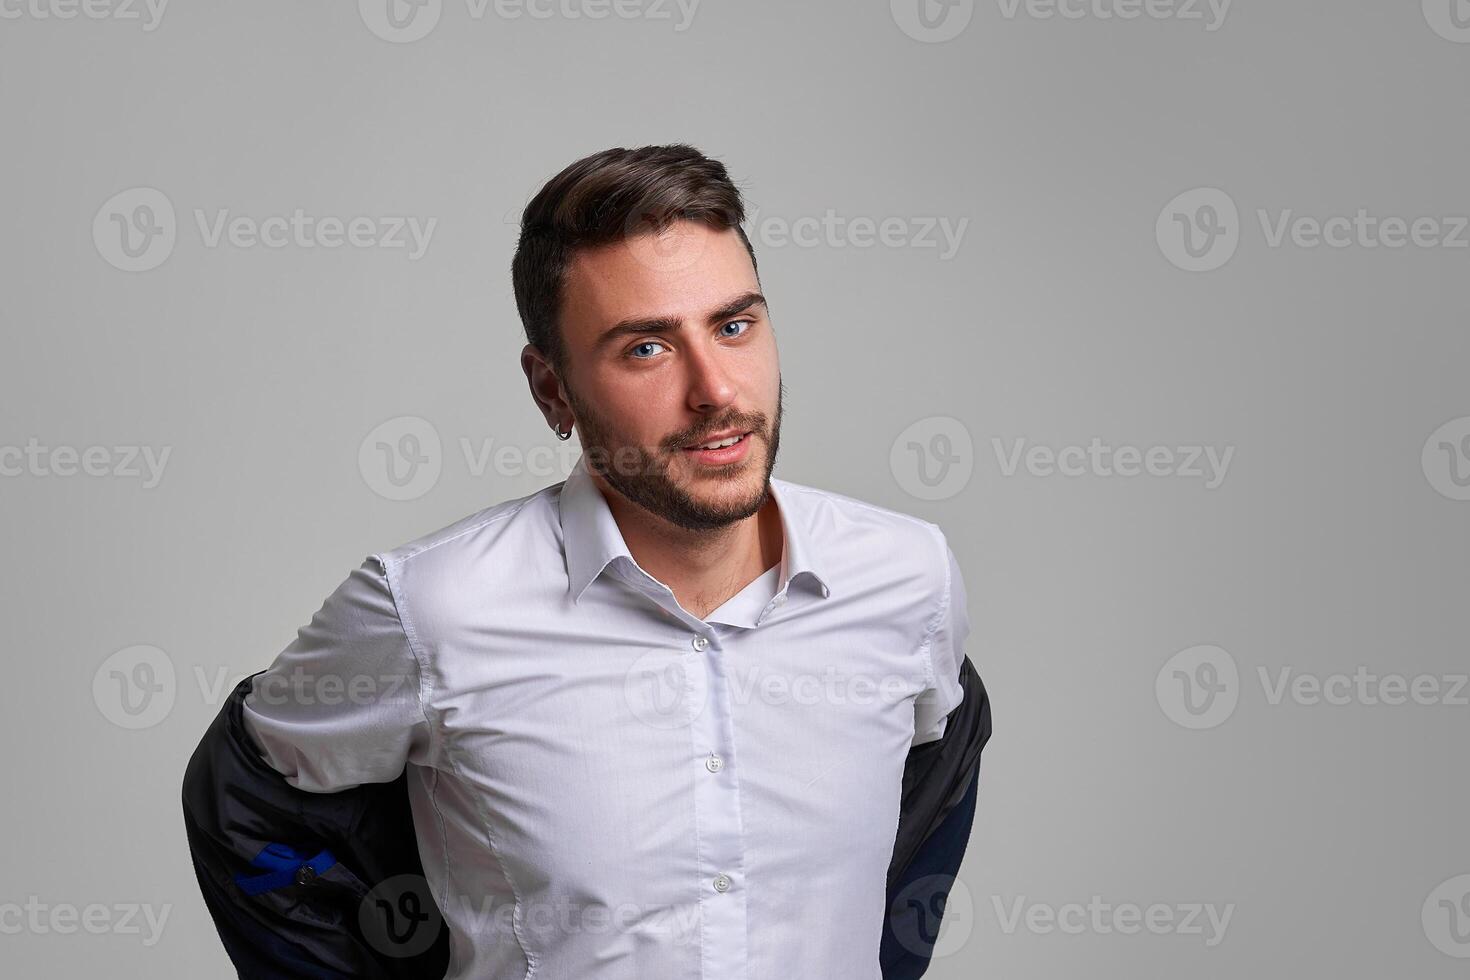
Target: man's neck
{"points": [[703, 568]]}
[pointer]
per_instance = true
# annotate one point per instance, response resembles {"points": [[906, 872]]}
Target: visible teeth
{"points": [[722, 443]]}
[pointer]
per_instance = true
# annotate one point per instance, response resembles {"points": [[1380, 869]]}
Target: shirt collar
{"points": [[591, 539]]}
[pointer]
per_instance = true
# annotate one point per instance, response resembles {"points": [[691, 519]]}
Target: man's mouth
{"points": [[720, 441]]}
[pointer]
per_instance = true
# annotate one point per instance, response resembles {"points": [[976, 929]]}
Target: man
{"points": [[670, 718]]}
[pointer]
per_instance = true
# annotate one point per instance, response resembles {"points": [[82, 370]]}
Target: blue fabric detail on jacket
{"points": [[282, 863]]}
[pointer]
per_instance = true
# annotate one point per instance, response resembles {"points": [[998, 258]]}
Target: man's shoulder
{"points": [[477, 532], [840, 521], [820, 499]]}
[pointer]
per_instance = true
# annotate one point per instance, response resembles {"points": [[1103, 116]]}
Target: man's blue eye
{"points": [[734, 323], [638, 347]]}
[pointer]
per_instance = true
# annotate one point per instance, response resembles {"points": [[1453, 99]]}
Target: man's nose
{"points": [[711, 385]]}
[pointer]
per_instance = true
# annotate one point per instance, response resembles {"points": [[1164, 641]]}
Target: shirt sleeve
{"points": [[945, 651], [341, 705]]}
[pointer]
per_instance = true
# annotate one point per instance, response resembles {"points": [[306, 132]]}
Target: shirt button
{"points": [[714, 763], [700, 643], [305, 875], [722, 883]]}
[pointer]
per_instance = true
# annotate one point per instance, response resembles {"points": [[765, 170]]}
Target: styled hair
{"points": [[600, 199]]}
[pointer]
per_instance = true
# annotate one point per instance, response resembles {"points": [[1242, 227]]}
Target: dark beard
{"points": [[642, 477]]}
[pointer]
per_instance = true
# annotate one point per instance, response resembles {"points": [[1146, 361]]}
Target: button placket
{"points": [[720, 835]]}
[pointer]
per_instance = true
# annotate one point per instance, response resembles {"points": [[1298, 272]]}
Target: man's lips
{"points": [[718, 437]]}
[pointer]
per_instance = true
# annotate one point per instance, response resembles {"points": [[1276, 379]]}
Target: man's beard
{"points": [[643, 478]]}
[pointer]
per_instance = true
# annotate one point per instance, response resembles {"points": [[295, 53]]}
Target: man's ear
{"points": [[546, 388]]}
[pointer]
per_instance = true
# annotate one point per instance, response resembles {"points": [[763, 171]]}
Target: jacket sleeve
{"points": [[940, 784], [305, 854]]}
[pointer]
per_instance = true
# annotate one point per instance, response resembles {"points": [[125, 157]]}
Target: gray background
{"points": [[1329, 546]]}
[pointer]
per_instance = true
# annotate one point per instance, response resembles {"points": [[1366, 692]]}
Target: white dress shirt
{"points": [[607, 787]]}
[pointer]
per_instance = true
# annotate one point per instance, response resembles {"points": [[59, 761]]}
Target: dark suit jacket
{"points": [[329, 885]]}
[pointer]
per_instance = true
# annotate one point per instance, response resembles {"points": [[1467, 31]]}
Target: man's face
{"points": [[669, 347]]}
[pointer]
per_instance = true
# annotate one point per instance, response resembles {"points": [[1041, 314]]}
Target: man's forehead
{"points": [[684, 272]]}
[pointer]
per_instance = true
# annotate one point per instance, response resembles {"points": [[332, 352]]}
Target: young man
{"points": [[670, 718]]}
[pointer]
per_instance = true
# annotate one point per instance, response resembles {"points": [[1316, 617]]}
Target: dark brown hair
{"points": [[600, 199]]}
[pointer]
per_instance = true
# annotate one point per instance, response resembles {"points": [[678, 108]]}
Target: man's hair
{"points": [[603, 198]]}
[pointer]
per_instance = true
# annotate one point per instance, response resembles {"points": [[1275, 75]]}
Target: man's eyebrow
{"points": [[668, 324]]}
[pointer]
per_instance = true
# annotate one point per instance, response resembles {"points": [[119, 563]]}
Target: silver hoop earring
{"points": [[563, 436]]}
